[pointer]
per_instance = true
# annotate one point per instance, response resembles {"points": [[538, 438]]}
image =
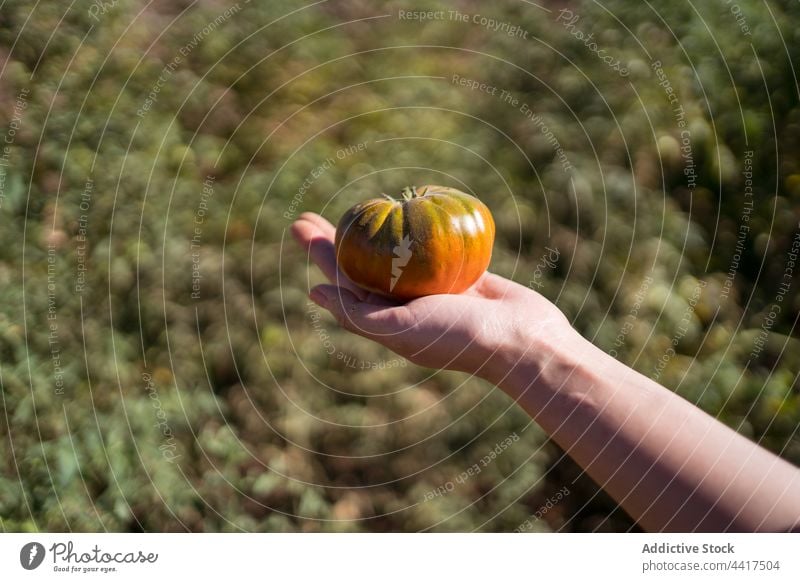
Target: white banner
{"points": [[400, 557]]}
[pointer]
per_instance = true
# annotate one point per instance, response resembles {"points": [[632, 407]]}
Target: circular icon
{"points": [[31, 555]]}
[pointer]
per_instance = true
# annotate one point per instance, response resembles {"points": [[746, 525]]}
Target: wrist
{"points": [[554, 374], [533, 354]]}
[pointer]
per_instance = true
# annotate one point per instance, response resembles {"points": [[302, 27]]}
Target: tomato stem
{"points": [[409, 192]]}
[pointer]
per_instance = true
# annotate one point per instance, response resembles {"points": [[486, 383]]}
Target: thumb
{"points": [[373, 321]]}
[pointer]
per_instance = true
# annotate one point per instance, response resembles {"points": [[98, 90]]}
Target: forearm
{"points": [[670, 465]]}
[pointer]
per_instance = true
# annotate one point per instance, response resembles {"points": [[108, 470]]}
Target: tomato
{"points": [[433, 240]]}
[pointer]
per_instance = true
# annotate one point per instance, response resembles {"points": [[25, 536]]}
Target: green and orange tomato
{"points": [[431, 240]]}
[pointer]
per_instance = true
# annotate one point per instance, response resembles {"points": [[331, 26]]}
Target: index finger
{"points": [[316, 235]]}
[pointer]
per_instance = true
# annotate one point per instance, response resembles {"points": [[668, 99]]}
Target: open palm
{"points": [[459, 332]]}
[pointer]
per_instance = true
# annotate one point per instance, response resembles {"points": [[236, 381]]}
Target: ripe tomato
{"points": [[433, 240]]}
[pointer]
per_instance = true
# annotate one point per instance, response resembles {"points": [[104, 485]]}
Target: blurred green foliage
{"points": [[226, 411]]}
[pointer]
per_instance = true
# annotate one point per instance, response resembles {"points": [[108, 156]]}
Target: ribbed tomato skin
{"points": [[439, 240]]}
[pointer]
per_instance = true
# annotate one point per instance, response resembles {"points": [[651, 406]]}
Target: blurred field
{"points": [[161, 366]]}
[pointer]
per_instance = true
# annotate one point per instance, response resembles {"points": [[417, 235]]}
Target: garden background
{"points": [[161, 367]]}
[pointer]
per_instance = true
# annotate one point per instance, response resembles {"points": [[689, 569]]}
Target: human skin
{"points": [[671, 466]]}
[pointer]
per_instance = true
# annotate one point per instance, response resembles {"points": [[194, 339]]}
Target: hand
{"points": [[483, 331]]}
